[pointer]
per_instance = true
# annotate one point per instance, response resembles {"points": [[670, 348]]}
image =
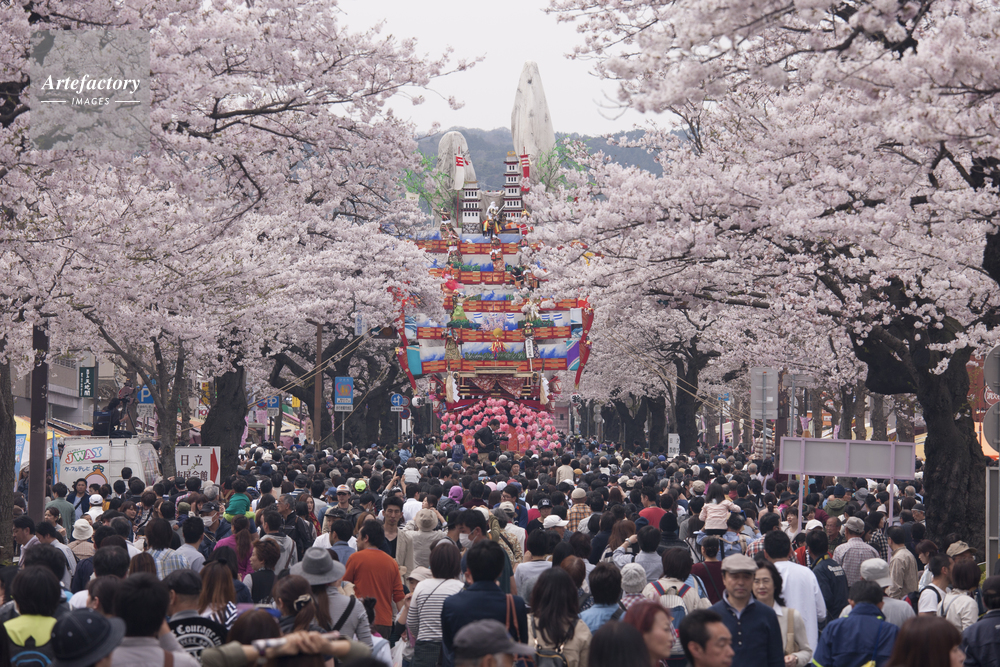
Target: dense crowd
{"points": [[585, 556]]}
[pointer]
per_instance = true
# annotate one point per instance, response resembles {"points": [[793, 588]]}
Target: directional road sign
{"points": [[343, 394], [398, 402]]}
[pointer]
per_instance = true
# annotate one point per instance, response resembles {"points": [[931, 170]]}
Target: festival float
{"points": [[501, 345]]}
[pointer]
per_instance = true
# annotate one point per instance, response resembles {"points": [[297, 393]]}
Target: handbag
{"points": [[521, 660], [791, 646]]}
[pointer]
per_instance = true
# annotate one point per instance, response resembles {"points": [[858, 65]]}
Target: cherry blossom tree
{"points": [[836, 164]]}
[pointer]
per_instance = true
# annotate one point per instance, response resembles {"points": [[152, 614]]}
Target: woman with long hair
{"points": [[263, 558], [241, 542], [266, 500], [554, 622], [311, 506], [620, 533], [218, 596], [767, 590], [618, 644], [927, 641], [293, 596], [656, 626]]}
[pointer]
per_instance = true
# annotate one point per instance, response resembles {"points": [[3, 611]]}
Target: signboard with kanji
{"points": [[87, 381], [200, 462]]}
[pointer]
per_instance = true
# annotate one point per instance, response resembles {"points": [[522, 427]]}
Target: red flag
{"points": [[525, 165]]}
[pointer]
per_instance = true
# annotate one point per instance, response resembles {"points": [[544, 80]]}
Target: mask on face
{"points": [[466, 540], [207, 520]]}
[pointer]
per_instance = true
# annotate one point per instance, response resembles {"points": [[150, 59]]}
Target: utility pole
{"points": [[39, 425]]}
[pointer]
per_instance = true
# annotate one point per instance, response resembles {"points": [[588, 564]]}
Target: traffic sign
{"points": [[991, 425], [343, 394], [405, 414], [145, 408], [763, 393], [991, 369], [399, 401], [397, 408], [273, 406]]}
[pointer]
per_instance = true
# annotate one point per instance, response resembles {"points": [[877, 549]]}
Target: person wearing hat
{"points": [[194, 632], [633, 583], [481, 643], [863, 636], [82, 545], [756, 633], [556, 523], [854, 551], [896, 612], [84, 637], [544, 505], [579, 511]]}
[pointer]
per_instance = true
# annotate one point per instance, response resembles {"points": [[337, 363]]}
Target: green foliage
{"points": [[433, 186]]}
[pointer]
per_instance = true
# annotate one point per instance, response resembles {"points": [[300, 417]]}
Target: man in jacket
{"points": [[272, 531], [979, 641], [756, 634], [292, 526], [862, 636], [829, 575]]}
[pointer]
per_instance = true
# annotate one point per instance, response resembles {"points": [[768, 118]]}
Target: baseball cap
{"points": [[554, 521], [839, 490], [919, 507], [210, 506], [508, 507], [360, 485], [877, 570], [486, 637], [855, 525], [544, 502], [812, 524], [958, 548], [343, 488], [84, 637], [739, 563], [96, 499]]}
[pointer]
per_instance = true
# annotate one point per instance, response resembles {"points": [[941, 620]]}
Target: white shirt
{"points": [[801, 592], [929, 601], [410, 509]]}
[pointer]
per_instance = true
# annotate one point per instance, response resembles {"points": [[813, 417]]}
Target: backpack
{"points": [[673, 600], [913, 599], [458, 452], [547, 657]]}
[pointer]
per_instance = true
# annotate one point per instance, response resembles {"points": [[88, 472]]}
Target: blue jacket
{"points": [[481, 600], [856, 639], [756, 634], [981, 641]]}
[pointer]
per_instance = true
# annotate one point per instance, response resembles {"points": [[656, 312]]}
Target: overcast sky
{"points": [[506, 33]]}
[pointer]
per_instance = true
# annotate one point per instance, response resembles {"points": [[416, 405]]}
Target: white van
{"points": [[100, 460]]}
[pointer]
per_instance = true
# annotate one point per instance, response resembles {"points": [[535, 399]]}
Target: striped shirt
{"points": [[424, 617], [167, 561]]}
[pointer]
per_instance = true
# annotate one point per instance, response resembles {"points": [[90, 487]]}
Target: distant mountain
{"points": [[488, 149]]}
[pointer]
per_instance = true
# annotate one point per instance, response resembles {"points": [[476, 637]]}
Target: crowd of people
{"points": [[585, 556]]}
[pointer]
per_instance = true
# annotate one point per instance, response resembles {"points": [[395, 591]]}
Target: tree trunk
{"points": [[8, 434], [860, 408], [185, 406], [711, 416], [846, 412], [612, 429], [880, 424], [657, 424], [904, 418], [226, 421], [634, 436], [166, 400], [817, 412], [687, 404], [735, 419]]}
